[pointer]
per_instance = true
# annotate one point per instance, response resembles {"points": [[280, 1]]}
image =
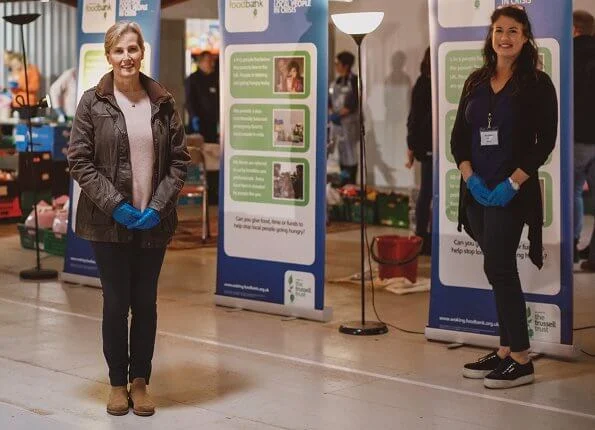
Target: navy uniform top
{"points": [[493, 163]]}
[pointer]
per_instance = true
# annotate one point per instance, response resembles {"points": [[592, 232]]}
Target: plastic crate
{"points": [[7, 142], [354, 211], [393, 209], [54, 243], [338, 212], [27, 235], [10, 208]]}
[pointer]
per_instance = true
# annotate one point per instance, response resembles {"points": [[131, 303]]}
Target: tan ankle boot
{"points": [[117, 403], [141, 401]]}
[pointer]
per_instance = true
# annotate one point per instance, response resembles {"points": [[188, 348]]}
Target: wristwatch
{"points": [[515, 185]]}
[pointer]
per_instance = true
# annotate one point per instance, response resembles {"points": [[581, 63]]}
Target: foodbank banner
{"points": [[272, 206], [93, 20], [462, 307]]}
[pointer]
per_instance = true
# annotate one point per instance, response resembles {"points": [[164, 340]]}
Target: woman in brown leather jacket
{"points": [[128, 154]]}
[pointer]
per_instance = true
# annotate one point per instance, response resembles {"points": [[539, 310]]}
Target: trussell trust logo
{"points": [[299, 289], [246, 15]]}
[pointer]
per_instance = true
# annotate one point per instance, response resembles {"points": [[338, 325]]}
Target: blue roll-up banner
{"points": [[272, 206], [462, 307], [93, 20]]}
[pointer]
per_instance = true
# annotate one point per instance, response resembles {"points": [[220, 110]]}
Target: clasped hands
{"points": [[133, 219], [499, 196]]}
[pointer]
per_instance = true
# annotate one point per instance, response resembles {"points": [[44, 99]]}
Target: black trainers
{"points": [[510, 374], [482, 367]]}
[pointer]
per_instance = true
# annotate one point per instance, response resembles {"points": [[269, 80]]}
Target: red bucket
{"points": [[397, 256]]}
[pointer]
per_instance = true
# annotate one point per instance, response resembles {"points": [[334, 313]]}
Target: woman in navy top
{"points": [[505, 129]]}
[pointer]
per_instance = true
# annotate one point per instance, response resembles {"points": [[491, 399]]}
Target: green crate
{"points": [[338, 212], [354, 211], [54, 243], [27, 235], [393, 209], [7, 142]]}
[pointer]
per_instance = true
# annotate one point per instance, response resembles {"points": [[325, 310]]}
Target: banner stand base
{"points": [[88, 281], [550, 349], [324, 315]]}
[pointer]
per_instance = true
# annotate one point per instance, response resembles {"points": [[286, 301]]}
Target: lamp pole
{"points": [[37, 273], [351, 24]]}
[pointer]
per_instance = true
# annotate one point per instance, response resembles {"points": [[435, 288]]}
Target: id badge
{"points": [[489, 136]]}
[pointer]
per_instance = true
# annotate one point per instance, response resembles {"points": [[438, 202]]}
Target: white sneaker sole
{"points": [[475, 374], [501, 384]]}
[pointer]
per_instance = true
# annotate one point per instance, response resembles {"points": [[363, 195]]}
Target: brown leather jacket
{"points": [[99, 159]]}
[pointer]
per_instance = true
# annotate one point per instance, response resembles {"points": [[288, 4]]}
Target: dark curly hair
{"points": [[527, 63]]}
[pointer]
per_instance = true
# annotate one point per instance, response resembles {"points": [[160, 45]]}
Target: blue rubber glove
{"points": [[59, 112], [150, 218], [126, 214], [479, 190], [195, 124], [502, 194], [335, 118]]}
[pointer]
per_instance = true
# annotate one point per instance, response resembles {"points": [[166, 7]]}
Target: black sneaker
{"points": [[482, 367], [510, 374]]}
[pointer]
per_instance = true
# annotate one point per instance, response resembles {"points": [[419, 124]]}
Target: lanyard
{"points": [[492, 103]]}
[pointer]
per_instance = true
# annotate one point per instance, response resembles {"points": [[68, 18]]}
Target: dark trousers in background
{"points": [[129, 276], [423, 204], [498, 232], [213, 187]]}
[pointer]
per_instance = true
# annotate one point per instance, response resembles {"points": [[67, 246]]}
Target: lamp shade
{"points": [[357, 23]]}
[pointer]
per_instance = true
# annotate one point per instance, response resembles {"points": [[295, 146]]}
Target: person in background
{"points": [[202, 104], [344, 116], [16, 81], [419, 144], [128, 154], [505, 129], [63, 94], [584, 130], [202, 98]]}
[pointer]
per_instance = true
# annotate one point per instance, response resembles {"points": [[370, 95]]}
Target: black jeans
{"points": [[498, 232], [424, 201], [129, 276]]}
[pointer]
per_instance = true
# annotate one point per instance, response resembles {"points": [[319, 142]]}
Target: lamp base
{"points": [[38, 274], [369, 328]]}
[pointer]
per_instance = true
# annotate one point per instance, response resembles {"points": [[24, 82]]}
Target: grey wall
{"points": [[172, 59], [50, 41]]}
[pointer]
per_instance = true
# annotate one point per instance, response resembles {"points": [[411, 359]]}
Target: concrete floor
{"points": [[217, 368]]}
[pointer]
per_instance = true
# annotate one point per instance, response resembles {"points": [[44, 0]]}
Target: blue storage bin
{"points": [[46, 138]]}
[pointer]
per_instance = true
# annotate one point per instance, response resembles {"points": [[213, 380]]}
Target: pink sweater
{"points": [[136, 108]]}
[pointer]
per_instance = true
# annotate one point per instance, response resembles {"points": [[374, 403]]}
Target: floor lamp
{"points": [[37, 273], [358, 25]]}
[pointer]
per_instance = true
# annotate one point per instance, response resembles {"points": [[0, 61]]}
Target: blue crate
{"points": [[46, 138]]}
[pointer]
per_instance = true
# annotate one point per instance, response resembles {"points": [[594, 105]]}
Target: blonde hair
{"points": [[117, 30], [11, 55]]}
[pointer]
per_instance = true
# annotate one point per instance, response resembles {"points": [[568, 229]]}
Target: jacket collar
{"points": [[156, 92]]}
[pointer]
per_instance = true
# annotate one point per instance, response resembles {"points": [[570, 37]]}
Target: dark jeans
{"points": [[424, 201], [498, 232], [129, 276]]}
